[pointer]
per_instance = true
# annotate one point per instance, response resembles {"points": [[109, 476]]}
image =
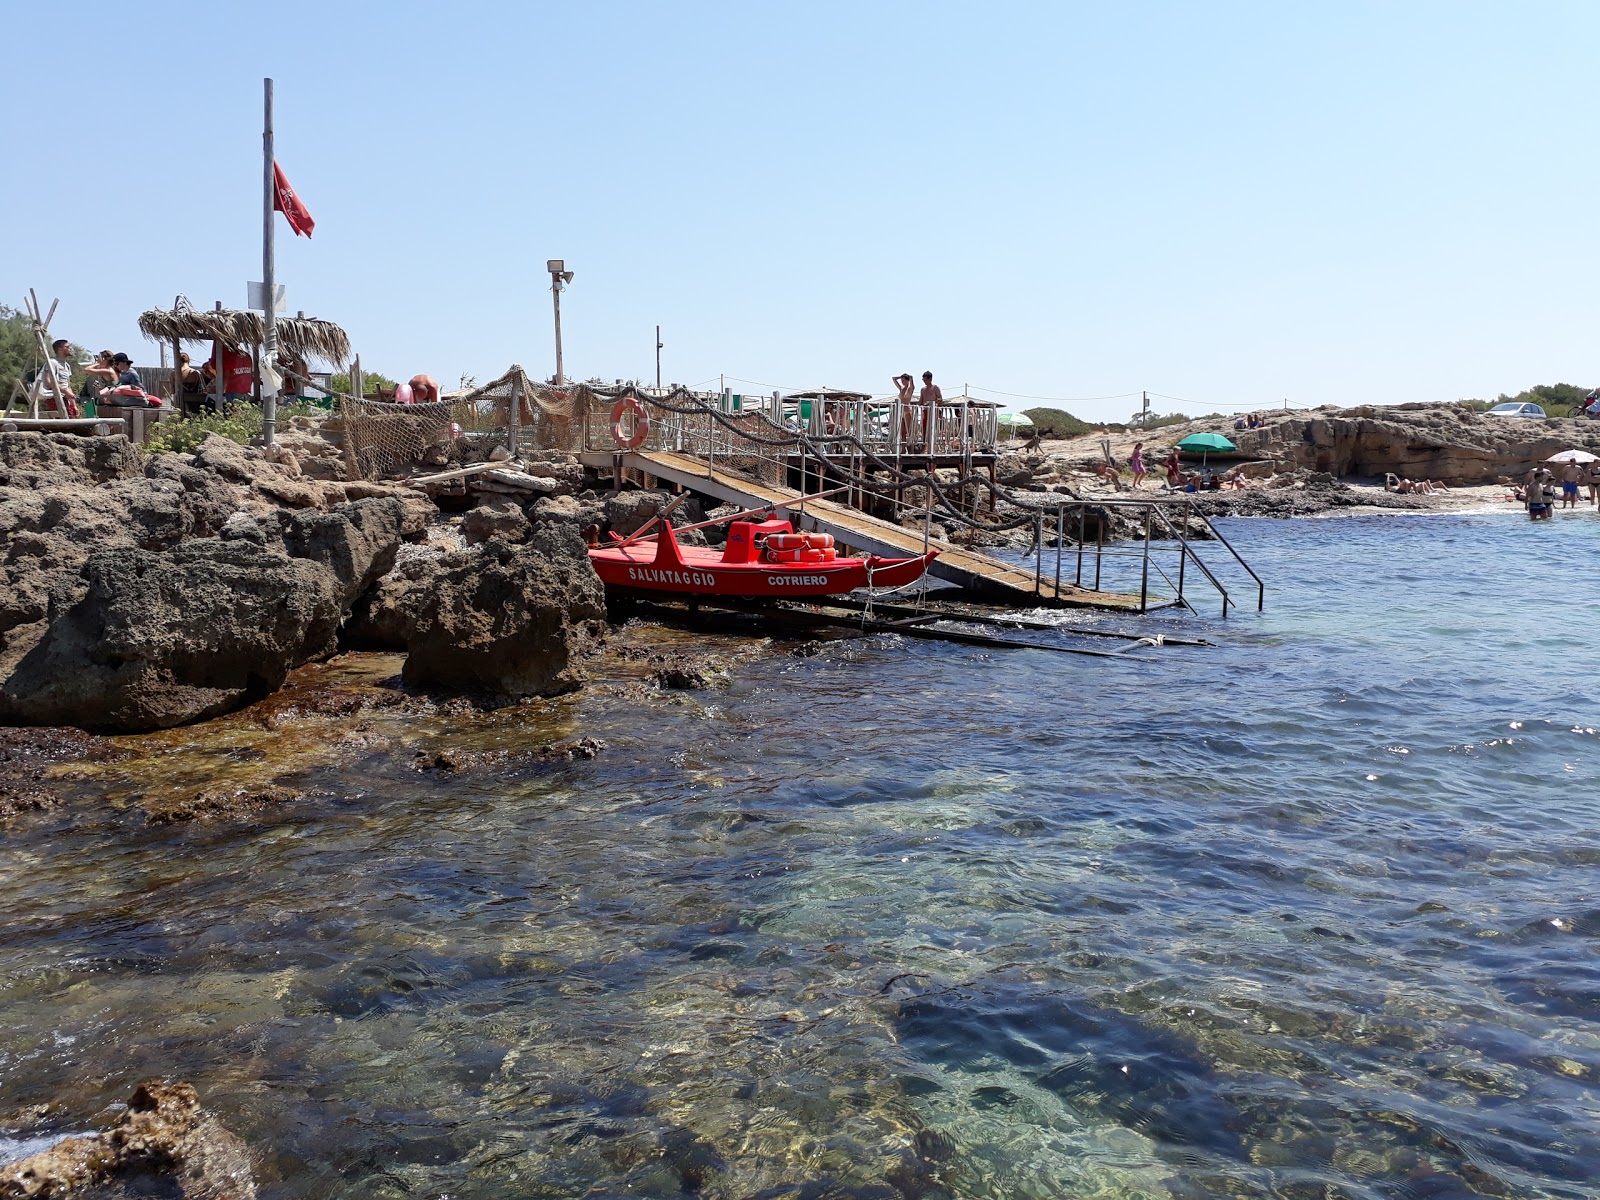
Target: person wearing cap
{"points": [[127, 376]]}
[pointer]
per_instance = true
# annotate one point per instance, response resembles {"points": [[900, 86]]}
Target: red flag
{"points": [[286, 202]]}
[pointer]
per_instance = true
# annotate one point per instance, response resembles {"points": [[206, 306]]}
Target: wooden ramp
{"points": [[985, 577]]}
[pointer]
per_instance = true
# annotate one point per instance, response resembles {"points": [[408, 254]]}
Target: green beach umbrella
{"points": [[1205, 443]]}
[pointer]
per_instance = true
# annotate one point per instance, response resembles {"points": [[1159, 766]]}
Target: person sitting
{"points": [[127, 374], [1109, 474], [191, 387]]}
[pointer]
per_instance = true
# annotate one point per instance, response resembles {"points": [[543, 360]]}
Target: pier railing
{"points": [[771, 428], [1164, 543]]}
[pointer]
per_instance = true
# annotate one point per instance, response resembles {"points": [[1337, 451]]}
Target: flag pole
{"points": [[269, 348]]}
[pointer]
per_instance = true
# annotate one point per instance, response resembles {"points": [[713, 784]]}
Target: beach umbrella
{"points": [[1574, 456], [1205, 443]]}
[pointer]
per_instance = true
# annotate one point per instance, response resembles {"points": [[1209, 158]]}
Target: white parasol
{"points": [[1574, 456]]}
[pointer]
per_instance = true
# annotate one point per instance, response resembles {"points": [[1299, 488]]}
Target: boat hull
{"points": [[701, 572]]}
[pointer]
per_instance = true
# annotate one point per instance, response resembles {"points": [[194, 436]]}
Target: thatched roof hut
{"points": [[302, 337]]}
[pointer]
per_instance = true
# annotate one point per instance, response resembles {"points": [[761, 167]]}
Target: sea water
{"points": [[1310, 912]]}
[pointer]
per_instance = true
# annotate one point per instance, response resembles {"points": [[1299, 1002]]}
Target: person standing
{"points": [[931, 395], [1539, 494], [1136, 461], [1594, 483], [1570, 474], [905, 388]]}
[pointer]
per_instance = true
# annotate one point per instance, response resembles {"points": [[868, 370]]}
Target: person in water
{"points": [[1570, 475], [1539, 494]]}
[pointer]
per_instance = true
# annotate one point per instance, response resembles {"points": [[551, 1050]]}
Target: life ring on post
{"points": [[641, 423]]}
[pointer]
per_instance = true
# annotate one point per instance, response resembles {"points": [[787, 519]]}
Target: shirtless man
{"points": [[930, 390], [424, 389], [1570, 475]]}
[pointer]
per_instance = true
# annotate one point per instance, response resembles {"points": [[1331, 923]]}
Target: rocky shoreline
{"points": [[146, 592]]}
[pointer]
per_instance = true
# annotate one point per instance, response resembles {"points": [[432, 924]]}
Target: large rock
{"points": [[1417, 441], [57, 459], [158, 639], [385, 616], [510, 620], [502, 519], [627, 511], [143, 630]]}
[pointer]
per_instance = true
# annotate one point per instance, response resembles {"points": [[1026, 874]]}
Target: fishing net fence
{"points": [[386, 439]]}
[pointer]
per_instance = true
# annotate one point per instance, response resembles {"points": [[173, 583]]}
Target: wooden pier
{"points": [[983, 577]]}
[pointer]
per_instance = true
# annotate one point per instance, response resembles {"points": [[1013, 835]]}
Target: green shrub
{"points": [[240, 423], [1054, 422]]}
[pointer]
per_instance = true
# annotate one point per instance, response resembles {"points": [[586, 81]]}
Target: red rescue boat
{"points": [[762, 558]]}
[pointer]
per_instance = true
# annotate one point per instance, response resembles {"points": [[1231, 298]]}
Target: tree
{"points": [[19, 352], [370, 380]]}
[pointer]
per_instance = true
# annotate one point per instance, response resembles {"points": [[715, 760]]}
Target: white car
{"points": [[1513, 408]]}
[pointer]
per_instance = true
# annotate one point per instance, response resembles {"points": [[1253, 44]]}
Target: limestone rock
{"points": [[164, 1132], [384, 617], [502, 519], [159, 639], [510, 620], [627, 511]]}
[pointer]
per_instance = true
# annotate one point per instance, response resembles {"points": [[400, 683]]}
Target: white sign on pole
{"points": [[258, 297]]}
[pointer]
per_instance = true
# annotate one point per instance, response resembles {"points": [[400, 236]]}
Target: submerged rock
{"points": [[510, 620], [164, 1132]]}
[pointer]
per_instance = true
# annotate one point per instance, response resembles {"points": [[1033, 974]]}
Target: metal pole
{"points": [[1183, 548], [555, 293], [1061, 536], [1078, 578], [1144, 574], [218, 352], [269, 347], [658, 358], [1038, 552]]}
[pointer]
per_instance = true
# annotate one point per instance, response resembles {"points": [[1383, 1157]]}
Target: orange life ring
{"points": [[641, 423]]}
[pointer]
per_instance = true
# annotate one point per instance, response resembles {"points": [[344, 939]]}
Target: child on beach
{"points": [[1136, 461]]}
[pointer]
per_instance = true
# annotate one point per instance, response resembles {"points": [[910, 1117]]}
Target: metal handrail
{"points": [[1261, 588], [1185, 552]]}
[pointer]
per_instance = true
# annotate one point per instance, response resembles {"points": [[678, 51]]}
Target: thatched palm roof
{"points": [[303, 337]]}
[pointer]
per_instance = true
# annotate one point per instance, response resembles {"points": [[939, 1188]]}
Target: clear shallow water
{"points": [[1311, 914]]}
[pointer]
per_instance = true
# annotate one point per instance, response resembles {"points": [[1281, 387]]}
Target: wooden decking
{"points": [[984, 577]]}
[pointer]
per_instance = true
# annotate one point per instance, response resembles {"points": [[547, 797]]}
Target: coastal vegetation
{"points": [[19, 354], [1555, 398], [370, 380], [242, 423]]}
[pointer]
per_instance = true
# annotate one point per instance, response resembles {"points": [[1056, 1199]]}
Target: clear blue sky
{"points": [[1231, 203]]}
